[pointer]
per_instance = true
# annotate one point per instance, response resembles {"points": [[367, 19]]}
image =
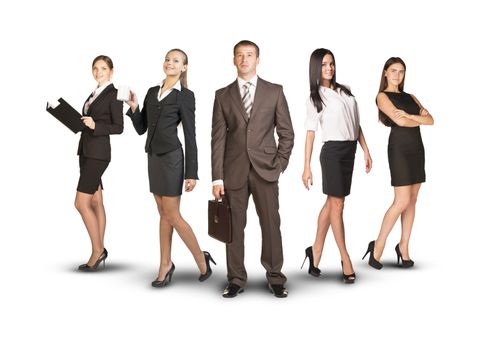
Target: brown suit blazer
{"points": [[238, 141]]}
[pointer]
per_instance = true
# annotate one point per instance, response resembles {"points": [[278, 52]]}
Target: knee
{"points": [[80, 204], [401, 204], [96, 202], [172, 217], [337, 205], [77, 205], [413, 200]]}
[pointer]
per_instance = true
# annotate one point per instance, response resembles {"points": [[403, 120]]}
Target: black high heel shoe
{"points": [[208, 271], [405, 263], [94, 267], [348, 278], [313, 270], [372, 261], [166, 280]]}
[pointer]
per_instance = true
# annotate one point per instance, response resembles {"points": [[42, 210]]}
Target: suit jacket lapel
{"points": [[237, 100], [100, 96], [259, 93]]}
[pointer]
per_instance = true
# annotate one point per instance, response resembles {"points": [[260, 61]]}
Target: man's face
{"points": [[246, 61]]}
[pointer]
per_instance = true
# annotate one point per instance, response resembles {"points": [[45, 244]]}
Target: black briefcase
{"points": [[220, 220]]}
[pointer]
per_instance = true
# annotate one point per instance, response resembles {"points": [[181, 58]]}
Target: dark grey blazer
{"points": [[107, 112], [161, 119]]}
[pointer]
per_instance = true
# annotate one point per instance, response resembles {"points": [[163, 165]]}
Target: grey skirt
{"points": [[166, 173]]}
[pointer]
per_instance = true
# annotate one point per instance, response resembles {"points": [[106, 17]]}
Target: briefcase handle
{"points": [[223, 200]]}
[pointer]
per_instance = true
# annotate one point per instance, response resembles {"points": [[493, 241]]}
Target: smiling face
{"points": [[395, 76], [101, 72], [174, 64], [246, 61], [327, 70]]}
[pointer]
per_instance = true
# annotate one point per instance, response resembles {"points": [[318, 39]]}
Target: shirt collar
{"points": [[99, 89], [176, 86], [328, 90], [252, 81]]}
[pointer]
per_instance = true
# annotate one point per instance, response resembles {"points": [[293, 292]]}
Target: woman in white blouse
{"points": [[334, 107]]}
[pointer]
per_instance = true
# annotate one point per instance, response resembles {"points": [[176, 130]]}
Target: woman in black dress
{"points": [[103, 116], [403, 113], [166, 106]]}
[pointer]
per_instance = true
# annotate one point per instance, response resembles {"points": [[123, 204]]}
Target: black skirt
{"points": [[90, 174], [406, 156], [337, 164], [165, 173]]}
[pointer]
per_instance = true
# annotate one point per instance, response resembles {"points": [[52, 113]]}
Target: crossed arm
{"points": [[400, 117]]}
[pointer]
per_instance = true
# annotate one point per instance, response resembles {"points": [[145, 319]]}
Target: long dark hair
{"points": [[183, 76], [315, 77], [382, 117]]}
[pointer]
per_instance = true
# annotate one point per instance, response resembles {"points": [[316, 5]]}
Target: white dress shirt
{"points": [[253, 85], [176, 86], [339, 117], [99, 89]]}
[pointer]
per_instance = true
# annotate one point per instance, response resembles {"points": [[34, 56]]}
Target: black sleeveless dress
{"points": [[406, 153]]}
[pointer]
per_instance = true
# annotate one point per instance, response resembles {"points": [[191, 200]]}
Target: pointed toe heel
{"points": [[94, 267], [372, 261], [208, 272], [313, 270], [405, 263], [166, 280]]}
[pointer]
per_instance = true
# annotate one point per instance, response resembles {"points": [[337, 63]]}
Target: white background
{"points": [[447, 300]]}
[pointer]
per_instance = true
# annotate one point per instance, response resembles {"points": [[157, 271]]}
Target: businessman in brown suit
{"points": [[246, 160]]}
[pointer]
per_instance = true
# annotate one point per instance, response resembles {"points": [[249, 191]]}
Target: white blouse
{"points": [[176, 86], [339, 117]]}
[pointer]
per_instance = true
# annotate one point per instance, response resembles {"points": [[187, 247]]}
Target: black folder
{"points": [[67, 115]]}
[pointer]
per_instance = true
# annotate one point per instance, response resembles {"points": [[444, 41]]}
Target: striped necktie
{"points": [[247, 98]]}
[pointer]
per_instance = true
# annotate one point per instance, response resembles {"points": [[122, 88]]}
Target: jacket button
{"points": [[248, 149]]}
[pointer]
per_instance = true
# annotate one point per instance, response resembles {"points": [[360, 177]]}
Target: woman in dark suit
{"points": [[166, 106], [403, 113], [102, 115]]}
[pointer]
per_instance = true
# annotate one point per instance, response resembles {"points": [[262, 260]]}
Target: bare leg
{"points": [[165, 239], [97, 204], [336, 205], [84, 206], [170, 211], [321, 232], [407, 220], [400, 203]]}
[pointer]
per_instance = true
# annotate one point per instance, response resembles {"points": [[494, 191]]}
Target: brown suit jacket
{"points": [[238, 141]]}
